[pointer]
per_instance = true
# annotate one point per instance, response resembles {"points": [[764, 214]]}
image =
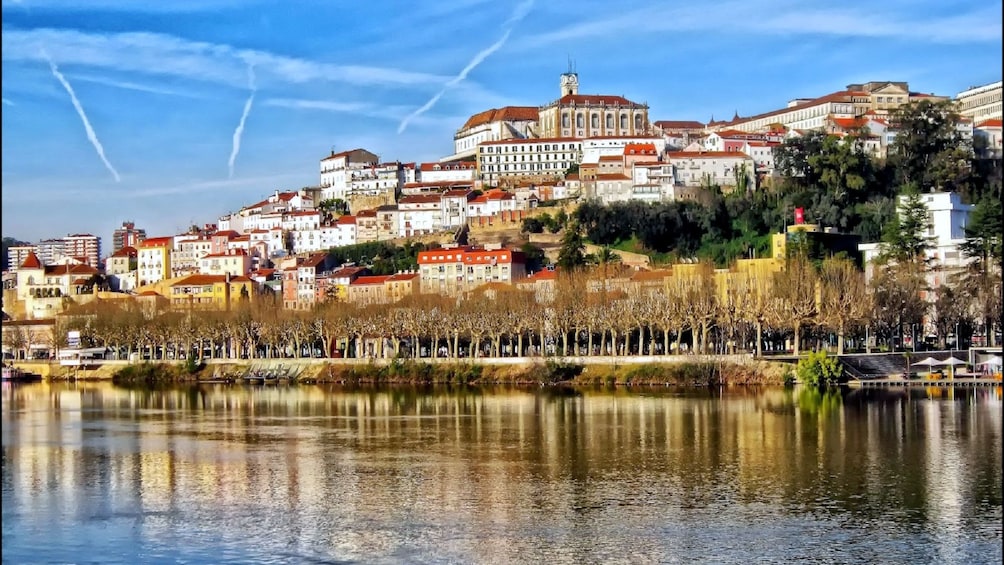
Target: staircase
{"points": [[883, 365]]}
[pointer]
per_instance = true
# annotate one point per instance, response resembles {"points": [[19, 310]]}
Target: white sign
{"points": [[73, 339]]}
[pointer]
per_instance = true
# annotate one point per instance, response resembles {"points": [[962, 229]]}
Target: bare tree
{"points": [[843, 297], [797, 287]]}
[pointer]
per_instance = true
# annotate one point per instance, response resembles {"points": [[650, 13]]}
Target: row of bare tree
{"points": [[699, 311]]}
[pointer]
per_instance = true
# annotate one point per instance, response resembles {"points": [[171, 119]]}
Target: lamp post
{"points": [[913, 336]]}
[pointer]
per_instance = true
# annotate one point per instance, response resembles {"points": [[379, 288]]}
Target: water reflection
{"points": [[221, 473]]}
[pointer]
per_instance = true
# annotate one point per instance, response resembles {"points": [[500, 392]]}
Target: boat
{"points": [[13, 374]]}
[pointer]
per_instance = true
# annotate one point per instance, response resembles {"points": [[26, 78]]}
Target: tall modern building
{"points": [[980, 103], [84, 246], [50, 251], [127, 236], [17, 254]]}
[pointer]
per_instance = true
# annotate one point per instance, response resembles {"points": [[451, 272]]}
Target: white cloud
{"points": [[167, 55], [791, 18], [240, 126], [91, 135], [8, 102], [520, 12], [326, 105]]}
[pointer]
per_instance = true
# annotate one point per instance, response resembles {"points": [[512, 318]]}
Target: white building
{"points": [[497, 124], [235, 263], [455, 207], [989, 131], [947, 219], [593, 148], [16, 255], [420, 214], [448, 172], [301, 220], [695, 168], [187, 253], [376, 179], [492, 203], [336, 171], [980, 103], [514, 160]]}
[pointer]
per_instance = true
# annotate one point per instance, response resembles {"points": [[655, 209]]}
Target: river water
{"points": [[93, 473]]}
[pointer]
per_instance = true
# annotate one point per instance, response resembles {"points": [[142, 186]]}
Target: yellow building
{"points": [[202, 291], [590, 115], [154, 259]]}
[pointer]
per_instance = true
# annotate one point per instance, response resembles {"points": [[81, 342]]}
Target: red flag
{"points": [[799, 215]]}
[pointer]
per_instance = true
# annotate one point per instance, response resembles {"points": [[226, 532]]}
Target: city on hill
{"points": [[869, 215]]}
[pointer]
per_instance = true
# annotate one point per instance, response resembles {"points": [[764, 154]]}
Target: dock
{"points": [[943, 383]]}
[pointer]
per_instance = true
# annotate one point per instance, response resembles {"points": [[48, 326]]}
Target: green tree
{"points": [[929, 151], [819, 369], [905, 236], [572, 255], [980, 282]]}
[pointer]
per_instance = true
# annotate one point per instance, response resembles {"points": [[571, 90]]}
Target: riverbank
{"points": [[635, 370]]}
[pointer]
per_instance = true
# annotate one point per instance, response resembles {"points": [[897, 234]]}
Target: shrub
{"points": [[818, 369]]}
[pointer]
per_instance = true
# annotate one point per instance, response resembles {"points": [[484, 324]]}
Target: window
{"points": [[564, 119], [610, 121], [594, 121], [579, 120], [624, 121], [637, 121]]}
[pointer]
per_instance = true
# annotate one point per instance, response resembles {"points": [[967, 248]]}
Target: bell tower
{"points": [[570, 80]]}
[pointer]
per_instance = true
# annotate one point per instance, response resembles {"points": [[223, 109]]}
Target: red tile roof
{"points": [[346, 272], [342, 154], [229, 253], [992, 123], [544, 275], [504, 114], [402, 277], [157, 242], [457, 192], [841, 96], [678, 124], [595, 100], [420, 199], [345, 220], [127, 251], [31, 261], [374, 279], [640, 149], [202, 280], [59, 270], [612, 176], [849, 123], [611, 158]]}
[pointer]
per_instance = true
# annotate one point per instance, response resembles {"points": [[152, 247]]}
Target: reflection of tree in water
{"points": [[815, 400]]}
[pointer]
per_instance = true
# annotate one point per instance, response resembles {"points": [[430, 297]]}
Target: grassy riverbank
{"points": [[537, 372]]}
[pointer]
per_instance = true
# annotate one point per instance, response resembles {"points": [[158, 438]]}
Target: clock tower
{"points": [[570, 80]]}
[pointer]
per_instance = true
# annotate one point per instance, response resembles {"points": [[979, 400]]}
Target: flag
{"points": [[799, 215]]}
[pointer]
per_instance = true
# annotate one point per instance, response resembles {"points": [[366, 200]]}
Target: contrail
{"points": [[93, 137], [240, 126], [522, 9]]}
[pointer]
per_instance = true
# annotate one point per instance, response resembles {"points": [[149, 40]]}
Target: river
{"points": [[94, 473]]}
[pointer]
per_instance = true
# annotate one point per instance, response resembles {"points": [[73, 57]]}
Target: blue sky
{"points": [[164, 84]]}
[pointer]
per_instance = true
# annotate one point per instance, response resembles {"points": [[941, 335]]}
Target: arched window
{"points": [[637, 121], [564, 120], [610, 121], [594, 121], [580, 121], [624, 121]]}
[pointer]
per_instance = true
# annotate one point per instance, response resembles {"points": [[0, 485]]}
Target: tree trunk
{"points": [[795, 341], [840, 338], [519, 344], [564, 343], [613, 341]]}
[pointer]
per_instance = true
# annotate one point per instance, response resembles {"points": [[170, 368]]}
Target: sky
{"points": [[185, 110]]}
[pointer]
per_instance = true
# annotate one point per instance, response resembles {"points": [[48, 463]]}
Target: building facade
{"points": [[127, 236], [980, 103], [590, 115], [508, 162]]}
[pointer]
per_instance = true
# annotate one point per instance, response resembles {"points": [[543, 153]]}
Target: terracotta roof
{"points": [[230, 253], [611, 158], [849, 123], [346, 272], [707, 155], [264, 272], [226, 233], [612, 176], [148, 293], [157, 242], [679, 124], [640, 149], [366, 214], [67, 269], [375, 279], [537, 140], [402, 277], [202, 280], [31, 261], [127, 251], [572, 176], [457, 192], [595, 99], [992, 123], [420, 199], [504, 114], [841, 96], [544, 275], [342, 154], [345, 220]]}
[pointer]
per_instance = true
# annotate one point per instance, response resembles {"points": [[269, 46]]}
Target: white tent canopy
{"points": [[951, 362], [994, 361], [928, 362]]}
